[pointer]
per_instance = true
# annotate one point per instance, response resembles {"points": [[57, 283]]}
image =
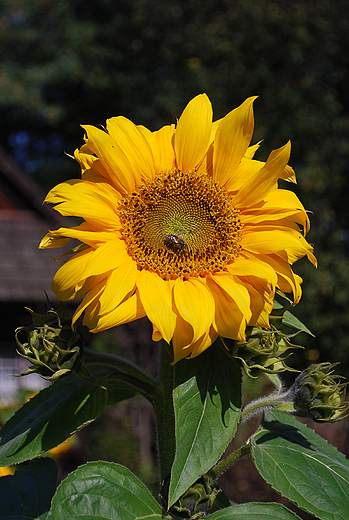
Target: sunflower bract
{"points": [[181, 225]]}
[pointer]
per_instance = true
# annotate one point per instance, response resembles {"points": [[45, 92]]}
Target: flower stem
{"points": [[164, 411], [126, 371], [281, 400], [221, 466]]}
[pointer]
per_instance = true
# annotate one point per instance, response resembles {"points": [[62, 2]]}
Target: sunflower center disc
{"points": [[181, 224]]}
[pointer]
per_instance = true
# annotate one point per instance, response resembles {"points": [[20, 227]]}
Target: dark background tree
{"points": [[70, 62]]}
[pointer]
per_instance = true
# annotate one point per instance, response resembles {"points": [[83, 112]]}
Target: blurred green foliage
{"points": [[70, 62]]}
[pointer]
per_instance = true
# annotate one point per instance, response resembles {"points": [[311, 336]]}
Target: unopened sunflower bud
{"points": [[264, 349], [196, 501], [52, 347], [319, 395]]}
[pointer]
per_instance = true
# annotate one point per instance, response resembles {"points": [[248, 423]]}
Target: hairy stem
{"points": [[125, 370], [224, 464], [273, 400]]}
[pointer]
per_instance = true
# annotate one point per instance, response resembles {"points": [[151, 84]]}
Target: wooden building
{"points": [[25, 271]]}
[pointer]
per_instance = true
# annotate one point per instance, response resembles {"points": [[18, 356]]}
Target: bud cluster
{"points": [[196, 501], [52, 347], [319, 395], [264, 349]]}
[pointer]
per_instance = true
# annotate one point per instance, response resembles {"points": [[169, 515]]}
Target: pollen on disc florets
{"points": [[181, 224]]}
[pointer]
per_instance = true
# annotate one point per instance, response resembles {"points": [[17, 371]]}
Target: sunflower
{"points": [[181, 225]]}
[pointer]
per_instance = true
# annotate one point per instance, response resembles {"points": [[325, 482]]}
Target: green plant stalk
{"points": [[125, 371], [159, 392], [224, 464], [274, 400], [144, 389], [164, 411]]}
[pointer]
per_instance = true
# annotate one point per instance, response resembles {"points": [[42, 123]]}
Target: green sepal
{"points": [[264, 349], [280, 313], [53, 348], [319, 395]]}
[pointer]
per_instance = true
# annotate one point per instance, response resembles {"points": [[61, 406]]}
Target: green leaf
{"points": [[290, 320], [28, 493], [49, 418], [254, 510], [55, 413], [302, 467], [207, 403], [105, 491]]}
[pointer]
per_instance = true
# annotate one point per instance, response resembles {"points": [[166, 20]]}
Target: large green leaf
{"points": [[54, 414], [302, 467], [103, 491], [254, 510], [207, 403], [28, 493]]}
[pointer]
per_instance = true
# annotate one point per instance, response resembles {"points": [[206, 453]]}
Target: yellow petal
{"points": [[193, 133], [95, 213], [203, 343], [52, 239], [96, 203], [243, 174], [252, 267], [105, 258], [85, 233], [182, 339], [120, 283], [276, 205], [229, 321], [251, 150], [232, 139], [135, 146], [90, 305], [264, 180], [236, 290], [214, 127], [289, 175], [68, 279], [287, 281], [91, 166], [195, 304], [114, 160], [130, 310], [165, 161], [261, 306], [273, 240], [156, 335], [264, 287], [156, 298]]}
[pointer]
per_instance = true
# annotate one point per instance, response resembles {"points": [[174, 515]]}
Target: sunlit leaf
{"points": [[103, 491], [302, 467], [207, 402]]}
